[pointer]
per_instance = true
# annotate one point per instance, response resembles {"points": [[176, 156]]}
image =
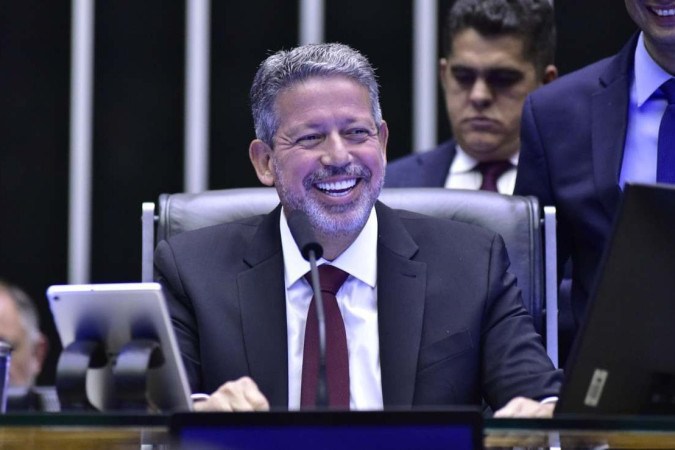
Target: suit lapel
{"points": [[400, 302], [437, 164], [609, 116], [263, 311]]}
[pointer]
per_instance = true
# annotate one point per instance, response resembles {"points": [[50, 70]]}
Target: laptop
{"points": [[114, 315], [458, 429], [623, 361]]}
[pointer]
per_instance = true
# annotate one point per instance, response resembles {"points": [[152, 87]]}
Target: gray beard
{"points": [[332, 221]]}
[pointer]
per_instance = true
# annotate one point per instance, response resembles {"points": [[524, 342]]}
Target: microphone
{"points": [[303, 233], [311, 250]]}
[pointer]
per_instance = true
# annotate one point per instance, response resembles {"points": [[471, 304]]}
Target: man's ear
{"points": [[442, 72], [39, 354], [261, 158], [383, 137], [550, 74]]}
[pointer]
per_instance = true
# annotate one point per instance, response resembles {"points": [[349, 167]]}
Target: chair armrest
{"points": [[551, 283], [148, 241]]}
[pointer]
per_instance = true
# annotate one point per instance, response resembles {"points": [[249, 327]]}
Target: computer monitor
{"points": [[457, 429], [112, 316], [623, 361]]}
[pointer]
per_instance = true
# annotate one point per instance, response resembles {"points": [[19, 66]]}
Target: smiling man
{"points": [[496, 52], [321, 113], [424, 312]]}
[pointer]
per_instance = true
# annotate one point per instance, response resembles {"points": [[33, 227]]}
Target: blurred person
{"points": [[496, 52], [20, 327]]}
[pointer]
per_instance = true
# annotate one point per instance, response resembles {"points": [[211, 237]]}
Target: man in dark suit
{"points": [[428, 314], [592, 130], [496, 52]]}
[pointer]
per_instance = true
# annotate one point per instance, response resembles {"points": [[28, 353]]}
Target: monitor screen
{"points": [[622, 361], [326, 430], [114, 315]]}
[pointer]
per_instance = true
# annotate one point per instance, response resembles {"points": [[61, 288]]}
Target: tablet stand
{"points": [[71, 372], [130, 372]]}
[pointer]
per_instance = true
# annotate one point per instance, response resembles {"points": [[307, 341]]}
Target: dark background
{"points": [[138, 111]]}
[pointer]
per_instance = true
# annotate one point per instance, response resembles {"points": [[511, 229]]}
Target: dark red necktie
{"points": [[665, 164], [337, 357], [491, 171]]}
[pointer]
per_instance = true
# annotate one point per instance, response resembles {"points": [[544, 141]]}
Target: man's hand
{"points": [[525, 407], [240, 395]]}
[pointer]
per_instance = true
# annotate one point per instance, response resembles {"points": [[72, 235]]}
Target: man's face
{"points": [[329, 156], [656, 18], [24, 366], [486, 80]]}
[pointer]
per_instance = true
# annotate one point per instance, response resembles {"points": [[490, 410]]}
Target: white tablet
{"points": [[114, 314]]}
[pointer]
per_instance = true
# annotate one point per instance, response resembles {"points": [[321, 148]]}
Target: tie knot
{"points": [[330, 278], [491, 171], [668, 89]]}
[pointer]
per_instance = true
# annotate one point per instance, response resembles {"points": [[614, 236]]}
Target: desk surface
{"points": [[582, 433], [120, 432]]}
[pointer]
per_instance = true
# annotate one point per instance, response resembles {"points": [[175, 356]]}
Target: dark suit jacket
{"points": [[426, 169], [451, 322], [572, 140]]}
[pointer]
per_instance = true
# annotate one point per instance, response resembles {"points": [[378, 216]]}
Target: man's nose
{"points": [[480, 94], [336, 151]]}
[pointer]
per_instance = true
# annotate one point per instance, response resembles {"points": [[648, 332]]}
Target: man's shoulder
{"points": [[420, 157], [417, 219], [447, 241], [231, 232], [583, 82], [425, 228], [579, 83], [414, 170]]}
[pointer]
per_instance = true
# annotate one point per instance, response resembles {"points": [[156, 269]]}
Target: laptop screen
{"points": [[456, 429], [622, 361]]}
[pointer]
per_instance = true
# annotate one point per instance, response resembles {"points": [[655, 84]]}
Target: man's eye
{"points": [[504, 78], [309, 139], [464, 77], [358, 134]]}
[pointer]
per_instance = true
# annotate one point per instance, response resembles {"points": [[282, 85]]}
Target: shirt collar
{"points": [[359, 259], [463, 162], [648, 75]]}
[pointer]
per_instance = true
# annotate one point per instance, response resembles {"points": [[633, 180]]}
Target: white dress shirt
{"points": [[645, 109], [463, 174], [357, 300]]}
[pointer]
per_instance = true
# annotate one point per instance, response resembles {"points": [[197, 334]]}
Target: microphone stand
{"points": [[311, 249], [321, 388]]}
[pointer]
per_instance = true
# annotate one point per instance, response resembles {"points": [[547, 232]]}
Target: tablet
{"points": [[114, 315]]}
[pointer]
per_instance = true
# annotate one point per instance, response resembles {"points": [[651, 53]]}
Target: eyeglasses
{"points": [[501, 78]]}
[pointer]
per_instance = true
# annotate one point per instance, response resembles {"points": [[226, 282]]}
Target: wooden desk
{"points": [[122, 432], [83, 431], [582, 433]]}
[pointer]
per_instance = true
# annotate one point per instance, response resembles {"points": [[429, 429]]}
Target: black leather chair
{"points": [[516, 218]]}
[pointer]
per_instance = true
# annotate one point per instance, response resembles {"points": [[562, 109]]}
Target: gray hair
{"points": [[285, 68], [27, 311]]}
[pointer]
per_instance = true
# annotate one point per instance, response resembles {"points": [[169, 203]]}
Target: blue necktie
{"points": [[665, 163]]}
